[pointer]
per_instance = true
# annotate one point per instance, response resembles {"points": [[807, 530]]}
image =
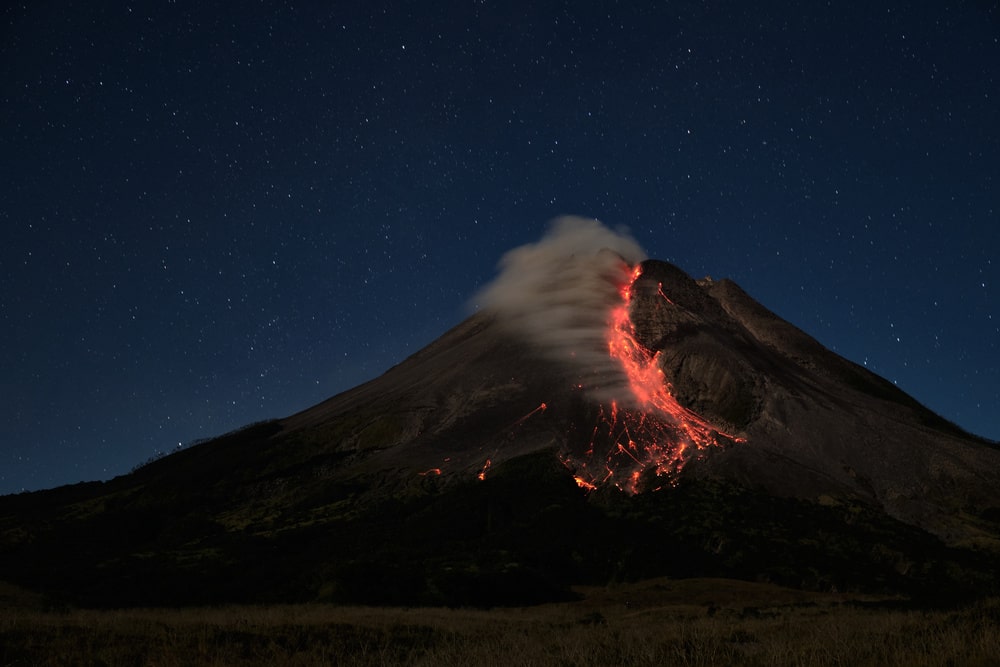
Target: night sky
{"points": [[213, 217]]}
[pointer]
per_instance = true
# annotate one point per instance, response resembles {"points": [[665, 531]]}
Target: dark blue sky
{"points": [[212, 217]]}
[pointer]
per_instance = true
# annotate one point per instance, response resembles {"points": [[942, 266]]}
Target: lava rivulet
{"points": [[650, 436]]}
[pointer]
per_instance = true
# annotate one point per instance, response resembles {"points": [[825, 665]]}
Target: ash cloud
{"points": [[558, 295]]}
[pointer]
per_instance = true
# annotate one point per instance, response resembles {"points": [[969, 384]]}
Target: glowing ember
{"points": [[482, 473], [541, 408], [657, 436]]}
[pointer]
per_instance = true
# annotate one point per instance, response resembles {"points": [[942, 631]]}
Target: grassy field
{"points": [[657, 622]]}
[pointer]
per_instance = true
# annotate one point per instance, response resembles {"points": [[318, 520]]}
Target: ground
{"points": [[656, 622]]}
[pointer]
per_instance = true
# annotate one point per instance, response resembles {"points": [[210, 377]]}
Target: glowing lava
{"points": [[643, 438], [654, 436]]}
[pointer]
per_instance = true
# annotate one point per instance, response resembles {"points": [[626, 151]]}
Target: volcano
{"points": [[602, 417]]}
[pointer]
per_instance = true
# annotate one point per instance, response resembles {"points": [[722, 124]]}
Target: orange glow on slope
{"points": [[541, 408], [657, 436], [482, 473]]}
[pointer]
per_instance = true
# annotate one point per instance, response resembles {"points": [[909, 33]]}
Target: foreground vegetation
{"points": [[523, 536], [658, 622]]}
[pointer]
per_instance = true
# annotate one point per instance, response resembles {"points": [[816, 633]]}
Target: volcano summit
{"points": [[602, 416]]}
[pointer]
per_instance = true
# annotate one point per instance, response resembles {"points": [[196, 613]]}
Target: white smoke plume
{"points": [[558, 295]]}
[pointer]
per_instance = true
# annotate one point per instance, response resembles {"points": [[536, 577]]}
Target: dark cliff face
{"points": [[713, 364], [815, 423]]}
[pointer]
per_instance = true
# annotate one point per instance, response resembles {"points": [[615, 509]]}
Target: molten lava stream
{"points": [[658, 434]]}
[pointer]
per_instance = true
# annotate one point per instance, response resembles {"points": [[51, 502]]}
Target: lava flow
{"points": [[648, 438]]}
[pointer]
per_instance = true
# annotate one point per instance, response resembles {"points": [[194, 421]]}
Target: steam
{"points": [[558, 295]]}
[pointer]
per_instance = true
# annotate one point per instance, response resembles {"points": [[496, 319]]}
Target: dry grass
{"points": [[694, 622]]}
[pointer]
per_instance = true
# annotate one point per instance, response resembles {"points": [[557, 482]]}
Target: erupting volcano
{"points": [[706, 437], [634, 376]]}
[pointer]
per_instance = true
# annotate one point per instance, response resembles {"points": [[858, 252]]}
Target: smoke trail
{"points": [[558, 294]]}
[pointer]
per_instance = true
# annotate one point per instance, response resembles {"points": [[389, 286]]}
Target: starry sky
{"points": [[211, 217]]}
